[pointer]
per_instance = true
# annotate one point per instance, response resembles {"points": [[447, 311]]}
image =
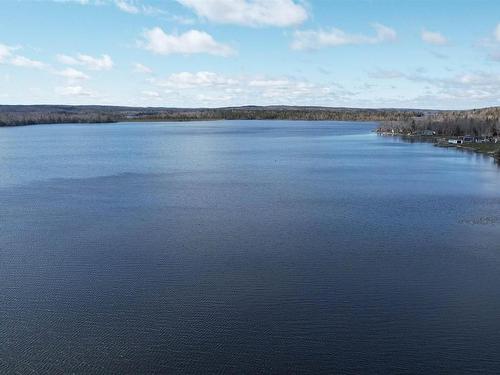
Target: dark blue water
{"points": [[245, 247]]}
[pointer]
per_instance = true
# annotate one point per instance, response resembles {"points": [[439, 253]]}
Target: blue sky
{"points": [[190, 53]]}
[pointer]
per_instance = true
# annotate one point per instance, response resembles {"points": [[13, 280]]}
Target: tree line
{"points": [[28, 115], [476, 122], [483, 122]]}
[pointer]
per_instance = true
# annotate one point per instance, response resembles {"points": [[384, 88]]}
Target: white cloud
{"points": [[434, 37], [465, 80], [291, 88], [476, 79], [140, 68], [269, 83], [186, 80], [190, 42], [214, 89], [151, 94], [7, 56], [5, 52], [315, 39], [383, 34], [459, 90], [74, 91], [127, 6], [73, 74], [26, 63], [280, 13], [68, 60], [93, 63]]}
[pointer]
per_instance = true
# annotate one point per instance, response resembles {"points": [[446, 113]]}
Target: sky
{"points": [[436, 54]]}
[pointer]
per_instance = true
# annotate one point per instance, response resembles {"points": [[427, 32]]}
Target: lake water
{"points": [[245, 247]]}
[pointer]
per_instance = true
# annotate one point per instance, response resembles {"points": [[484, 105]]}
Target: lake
{"points": [[245, 247]]}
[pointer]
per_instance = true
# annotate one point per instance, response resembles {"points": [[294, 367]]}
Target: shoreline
{"points": [[487, 149], [15, 115], [168, 121]]}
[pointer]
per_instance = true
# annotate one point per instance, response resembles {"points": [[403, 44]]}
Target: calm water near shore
{"points": [[245, 247]]}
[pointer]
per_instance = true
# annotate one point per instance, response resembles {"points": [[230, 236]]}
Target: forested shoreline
{"points": [[484, 122], [49, 114], [476, 130], [475, 122]]}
